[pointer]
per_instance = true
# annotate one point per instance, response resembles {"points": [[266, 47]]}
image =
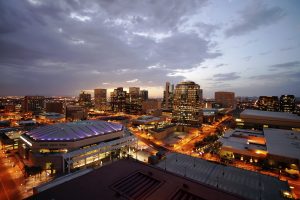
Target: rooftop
{"points": [[136, 180], [284, 143], [147, 119], [247, 184], [73, 130], [271, 115]]}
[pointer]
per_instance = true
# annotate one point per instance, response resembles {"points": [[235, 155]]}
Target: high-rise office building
{"points": [[287, 103], [226, 99], [167, 103], [144, 95], [85, 99], [134, 90], [75, 113], [35, 104], [118, 100], [133, 101], [100, 97], [186, 105], [268, 103]]}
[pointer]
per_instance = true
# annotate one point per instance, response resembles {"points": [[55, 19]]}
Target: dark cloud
{"points": [[286, 65], [220, 65], [290, 48], [254, 16], [265, 53], [226, 76], [58, 47]]}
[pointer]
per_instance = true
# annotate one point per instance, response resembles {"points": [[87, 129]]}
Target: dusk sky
{"points": [[62, 47]]}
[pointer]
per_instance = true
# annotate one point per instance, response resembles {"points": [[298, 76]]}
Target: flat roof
{"points": [[284, 143], [73, 130], [136, 180], [284, 116], [146, 119], [247, 184]]}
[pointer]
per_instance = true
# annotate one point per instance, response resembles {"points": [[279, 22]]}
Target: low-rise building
{"points": [[280, 147], [258, 119]]}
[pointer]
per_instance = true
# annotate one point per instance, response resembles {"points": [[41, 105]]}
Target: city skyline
{"points": [[249, 47]]}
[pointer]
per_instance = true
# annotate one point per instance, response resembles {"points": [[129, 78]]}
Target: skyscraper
{"points": [[118, 100], [85, 99], [35, 104], [133, 101], [186, 105], [144, 95], [167, 103], [100, 98], [226, 99], [287, 103]]}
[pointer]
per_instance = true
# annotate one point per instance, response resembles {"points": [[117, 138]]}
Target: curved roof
{"points": [[73, 130]]}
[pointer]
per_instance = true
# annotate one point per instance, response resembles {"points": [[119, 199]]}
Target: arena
{"points": [[67, 146]]}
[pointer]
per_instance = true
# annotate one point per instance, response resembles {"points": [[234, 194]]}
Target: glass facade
{"points": [[186, 105]]}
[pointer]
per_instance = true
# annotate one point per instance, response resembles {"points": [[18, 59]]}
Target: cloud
{"points": [[133, 81], [286, 65], [253, 17], [226, 76], [79, 17], [290, 48], [91, 41], [220, 65]]}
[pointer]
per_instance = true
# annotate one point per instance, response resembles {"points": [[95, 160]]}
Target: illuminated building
{"points": [[100, 97], [268, 103], [55, 107], [133, 101], [151, 105], [287, 103], [75, 113], [118, 100], [144, 95], [51, 117], [186, 105], [85, 99], [35, 104], [167, 102], [258, 119], [68, 146], [226, 99], [276, 146]]}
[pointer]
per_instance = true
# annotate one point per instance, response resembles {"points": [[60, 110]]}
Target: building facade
{"points": [[67, 146], [268, 103], [226, 99], [35, 104], [118, 100], [167, 102], [100, 98], [144, 95], [287, 103], [55, 107], [85, 99], [186, 105]]}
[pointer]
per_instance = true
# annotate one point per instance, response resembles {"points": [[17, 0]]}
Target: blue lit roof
{"points": [[73, 131]]}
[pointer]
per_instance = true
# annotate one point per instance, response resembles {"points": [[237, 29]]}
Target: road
{"points": [[8, 188]]}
